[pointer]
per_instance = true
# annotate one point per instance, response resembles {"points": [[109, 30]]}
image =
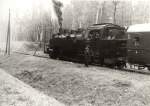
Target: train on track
{"points": [[104, 44]]}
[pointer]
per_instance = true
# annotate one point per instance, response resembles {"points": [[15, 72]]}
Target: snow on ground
{"points": [[76, 85], [13, 92]]}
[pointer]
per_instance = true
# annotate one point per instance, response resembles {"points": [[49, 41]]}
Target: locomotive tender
{"points": [[106, 43]]}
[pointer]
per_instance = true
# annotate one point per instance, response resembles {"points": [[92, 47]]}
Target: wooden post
{"points": [[7, 51]]}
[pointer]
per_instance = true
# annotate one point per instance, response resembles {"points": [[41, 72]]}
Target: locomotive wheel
{"points": [[87, 60], [53, 54], [148, 68], [60, 54], [101, 61], [120, 66]]}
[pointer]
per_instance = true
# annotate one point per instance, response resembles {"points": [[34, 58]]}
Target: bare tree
{"points": [[102, 9], [115, 3]]}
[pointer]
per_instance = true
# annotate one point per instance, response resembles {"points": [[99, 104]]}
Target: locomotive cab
{"points": [[139, 45], [108, 44]]}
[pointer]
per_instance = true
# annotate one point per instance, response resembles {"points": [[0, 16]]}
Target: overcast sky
{"points": [[24, 8]]}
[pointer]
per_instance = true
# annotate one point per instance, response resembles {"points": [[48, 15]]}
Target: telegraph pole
{"points": [[7, 51], [44, 37]]}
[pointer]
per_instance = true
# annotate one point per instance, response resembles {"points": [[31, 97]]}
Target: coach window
{"points": [[129, 36], [136, 41]]}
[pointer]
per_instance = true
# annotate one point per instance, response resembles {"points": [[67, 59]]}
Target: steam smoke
{"points": [[57, 8]]}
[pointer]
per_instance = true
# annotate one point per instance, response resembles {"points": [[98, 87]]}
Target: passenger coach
{"points": [[139, 45]]}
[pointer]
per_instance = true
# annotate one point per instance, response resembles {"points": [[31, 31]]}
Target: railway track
{"points": [[29, 54], [131, 70]]}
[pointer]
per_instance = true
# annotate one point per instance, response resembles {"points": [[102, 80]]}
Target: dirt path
{"points": [[75, 85], [15, 93]]}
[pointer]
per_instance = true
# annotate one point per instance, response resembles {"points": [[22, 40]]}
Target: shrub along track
{"points": [[74, 84]]}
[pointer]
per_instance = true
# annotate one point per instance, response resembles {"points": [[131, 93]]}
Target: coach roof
{"points": [[139, 28], [103, 25]]}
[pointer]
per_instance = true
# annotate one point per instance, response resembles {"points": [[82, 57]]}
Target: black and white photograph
{"points": [[74, 52]]}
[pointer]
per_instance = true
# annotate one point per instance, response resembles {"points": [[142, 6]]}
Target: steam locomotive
{"points": [[108, 44]]}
